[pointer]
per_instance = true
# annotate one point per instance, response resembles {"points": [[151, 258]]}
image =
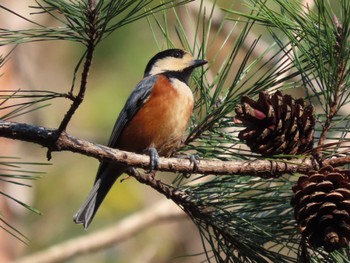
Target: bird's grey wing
{"points": [[135, 101]]}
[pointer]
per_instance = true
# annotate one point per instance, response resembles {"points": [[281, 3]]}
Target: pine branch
{"points": [[338, 84], [256, 168], [92, 17], [14, 109]]}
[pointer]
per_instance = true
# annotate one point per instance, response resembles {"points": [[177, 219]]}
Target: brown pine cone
{"points": [[276, 124], [322, 207]]}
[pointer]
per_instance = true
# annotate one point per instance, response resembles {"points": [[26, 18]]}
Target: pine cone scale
{"points": [[321, 204], [276, 124]]}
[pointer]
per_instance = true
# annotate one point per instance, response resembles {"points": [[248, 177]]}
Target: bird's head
{"points": [[173, 61]]}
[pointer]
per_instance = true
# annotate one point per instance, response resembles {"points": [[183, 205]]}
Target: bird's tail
{"points": [[97, 194]]}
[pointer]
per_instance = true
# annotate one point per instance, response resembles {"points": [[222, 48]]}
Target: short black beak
{"points": [[198, 63]]}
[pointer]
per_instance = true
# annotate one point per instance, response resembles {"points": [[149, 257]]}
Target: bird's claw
{"points": [[154, 159], [194, 159]]}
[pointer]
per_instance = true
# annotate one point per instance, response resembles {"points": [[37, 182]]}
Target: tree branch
{"points": [[161, 212], [263, 168]]}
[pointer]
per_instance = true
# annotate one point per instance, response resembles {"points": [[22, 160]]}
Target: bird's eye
{"points": [[177, 54]]}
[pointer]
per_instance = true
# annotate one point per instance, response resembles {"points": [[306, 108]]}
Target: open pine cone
{"points": [[276, 124], [322, 207]]}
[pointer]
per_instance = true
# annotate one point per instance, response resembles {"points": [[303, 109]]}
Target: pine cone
{"points": [[322, 207], [276, 124]]}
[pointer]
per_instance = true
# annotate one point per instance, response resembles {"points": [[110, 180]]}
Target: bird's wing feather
{"points": [[135, 101]]}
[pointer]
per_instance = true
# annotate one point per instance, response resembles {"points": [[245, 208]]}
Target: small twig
{"points": [[92, 36], [338, 86], [328, 123], [304, 255], [168, 191], [92, 4], [188, 204], [79, 98], [336, 162]]}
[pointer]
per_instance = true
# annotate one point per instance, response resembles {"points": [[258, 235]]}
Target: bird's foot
{"points": [[154, 159], [194, 159]]}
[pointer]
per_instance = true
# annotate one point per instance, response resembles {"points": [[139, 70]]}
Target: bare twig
{"points": [[92, 36], [180, 198], [334, 99], [161, 212]]}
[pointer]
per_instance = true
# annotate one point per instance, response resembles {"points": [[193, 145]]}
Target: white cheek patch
{"points": [[170, 64]]}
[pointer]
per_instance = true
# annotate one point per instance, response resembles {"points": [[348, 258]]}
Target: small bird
{"points": [[153, 121]]}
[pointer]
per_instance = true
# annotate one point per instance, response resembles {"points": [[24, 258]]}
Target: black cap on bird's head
{"points": [[172, 61]]}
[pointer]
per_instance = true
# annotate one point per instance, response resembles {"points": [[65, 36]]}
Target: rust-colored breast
{"points": [[162, 120]]}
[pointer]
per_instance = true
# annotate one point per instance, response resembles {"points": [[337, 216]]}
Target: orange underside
{"points": [[160, 123]]}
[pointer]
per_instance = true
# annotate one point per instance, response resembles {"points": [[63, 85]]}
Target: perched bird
{"points": [[153, 121]]}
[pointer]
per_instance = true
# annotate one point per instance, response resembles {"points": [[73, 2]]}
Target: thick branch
{"points": [[45, 137]]}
